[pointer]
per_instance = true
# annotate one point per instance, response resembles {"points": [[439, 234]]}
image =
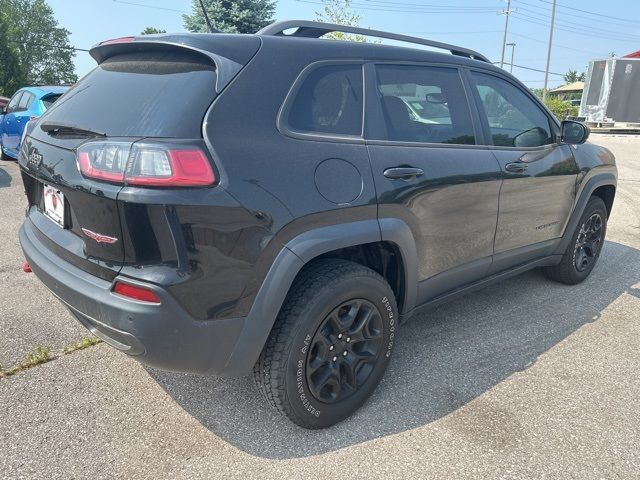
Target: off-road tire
{"points": [[566, 271], [281, 371]]}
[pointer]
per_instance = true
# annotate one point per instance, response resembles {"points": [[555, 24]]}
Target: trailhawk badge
{"points": [[98, 237]]}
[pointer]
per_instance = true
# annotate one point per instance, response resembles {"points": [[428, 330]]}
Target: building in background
{"points": [[571, 92], [612, 90]]}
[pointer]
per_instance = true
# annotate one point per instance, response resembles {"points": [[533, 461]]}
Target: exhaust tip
{"points": [[26, 268]]}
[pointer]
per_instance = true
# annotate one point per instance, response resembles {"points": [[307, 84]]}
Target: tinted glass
{"points": [[329, 101], [424, 104], [141, 94], [13, 104], [514, 119], [25, 101], [50, 100]]}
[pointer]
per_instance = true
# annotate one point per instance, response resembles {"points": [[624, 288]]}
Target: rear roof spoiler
{"points": [[228, 57], [308, 29]]}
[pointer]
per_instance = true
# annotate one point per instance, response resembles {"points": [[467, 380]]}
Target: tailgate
{"points": [[86, 204]]}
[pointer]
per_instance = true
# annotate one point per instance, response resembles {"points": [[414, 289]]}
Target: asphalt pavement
{"points": [[524, 379]]}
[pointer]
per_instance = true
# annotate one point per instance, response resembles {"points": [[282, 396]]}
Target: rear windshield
{"points": [[50, 100], [153, 94]]}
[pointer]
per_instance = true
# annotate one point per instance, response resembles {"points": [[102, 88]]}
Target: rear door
{"points": [[157, 94], [423, 141], [539, 172]]}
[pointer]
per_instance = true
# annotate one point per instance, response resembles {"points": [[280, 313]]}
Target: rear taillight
{"points": [[136, 292], [145, 164]]}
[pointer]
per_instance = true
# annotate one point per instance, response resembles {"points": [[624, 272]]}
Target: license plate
{"points": [[54, 204]]}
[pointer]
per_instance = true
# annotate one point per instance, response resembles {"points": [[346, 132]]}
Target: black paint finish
{"points": [[224, 257]]}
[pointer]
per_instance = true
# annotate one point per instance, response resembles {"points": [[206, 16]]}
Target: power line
{"points": [[532, 69], [146, 5], [50, 45], [597, 14], [575, 15], [574, 27], [446, 10], [539, 21], [427, 5]]}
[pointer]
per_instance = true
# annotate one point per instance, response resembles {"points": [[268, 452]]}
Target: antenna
{"points": [[206, 17]]}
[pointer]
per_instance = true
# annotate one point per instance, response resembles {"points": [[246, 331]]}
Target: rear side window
{"points": [[514, 119], [25, 101], [329, 101], [424, 104], [153, 94]]}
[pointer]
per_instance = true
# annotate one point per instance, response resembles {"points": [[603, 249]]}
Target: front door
{"points": [[422, 137], [539, 173]]}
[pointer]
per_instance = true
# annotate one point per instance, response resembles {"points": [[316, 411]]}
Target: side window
{"points": [[13, 104], [424, 104], [514, 119], [25, 101], [329, 101]]}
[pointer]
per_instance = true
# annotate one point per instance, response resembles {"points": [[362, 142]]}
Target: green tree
{"points": [[11, 74], [340, 13], [152, 31], [44, 52], [561, 108], [572, 76], [538, 92], [243, 16]]}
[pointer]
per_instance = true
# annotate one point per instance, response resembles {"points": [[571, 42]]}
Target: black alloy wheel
{"points": [[588, 243], [344, 350]]}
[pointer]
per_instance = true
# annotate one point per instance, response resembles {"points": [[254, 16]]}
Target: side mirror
{"points": [[574, 133]]}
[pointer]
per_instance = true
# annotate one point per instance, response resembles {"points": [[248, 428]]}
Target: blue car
{"points": [[26, 104]]}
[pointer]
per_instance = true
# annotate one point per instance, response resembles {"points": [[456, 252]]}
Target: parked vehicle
{"points": [[3, 103], [224, 204], [26, 104]]}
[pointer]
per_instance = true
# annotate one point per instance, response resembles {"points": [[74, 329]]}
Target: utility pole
{"points": [[506, 27], [513, 48], [546, 72]]}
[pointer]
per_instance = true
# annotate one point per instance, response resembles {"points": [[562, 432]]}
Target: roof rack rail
{"points": [[308, 29]]}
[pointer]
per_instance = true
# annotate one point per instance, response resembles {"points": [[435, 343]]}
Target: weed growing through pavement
{"points": [[42, 354]]}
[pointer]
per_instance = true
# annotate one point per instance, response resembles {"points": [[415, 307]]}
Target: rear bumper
{"points": [[162, 336]]}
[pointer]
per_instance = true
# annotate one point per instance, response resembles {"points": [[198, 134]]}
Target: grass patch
{"points": [[42, 354], [86, 342]]}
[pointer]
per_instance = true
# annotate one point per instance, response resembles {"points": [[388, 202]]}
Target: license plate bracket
{"points": [[54, 205]]}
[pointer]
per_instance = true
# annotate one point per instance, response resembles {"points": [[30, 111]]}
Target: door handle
{"points": [[403, 173], [516, 167]]}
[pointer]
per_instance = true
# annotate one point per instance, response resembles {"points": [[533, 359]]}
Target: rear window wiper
{"points": [[63, 129]]}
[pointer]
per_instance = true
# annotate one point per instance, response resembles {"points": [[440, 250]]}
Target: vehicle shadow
{"points": [[444, 359], [5, 178]]}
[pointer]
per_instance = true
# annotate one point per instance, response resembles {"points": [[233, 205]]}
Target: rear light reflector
{"points": [[135, 292], [146, 164]]}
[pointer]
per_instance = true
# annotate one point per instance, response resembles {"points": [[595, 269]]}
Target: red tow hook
{"points": [[26, 268]]}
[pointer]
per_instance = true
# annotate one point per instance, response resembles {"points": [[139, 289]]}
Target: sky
{"points": [[585, 29]]}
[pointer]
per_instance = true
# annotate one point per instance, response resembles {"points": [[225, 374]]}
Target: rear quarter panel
{"points": [[273, 174]]}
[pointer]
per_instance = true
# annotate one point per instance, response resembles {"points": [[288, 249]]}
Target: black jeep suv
{"points": [[279, 203]]}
